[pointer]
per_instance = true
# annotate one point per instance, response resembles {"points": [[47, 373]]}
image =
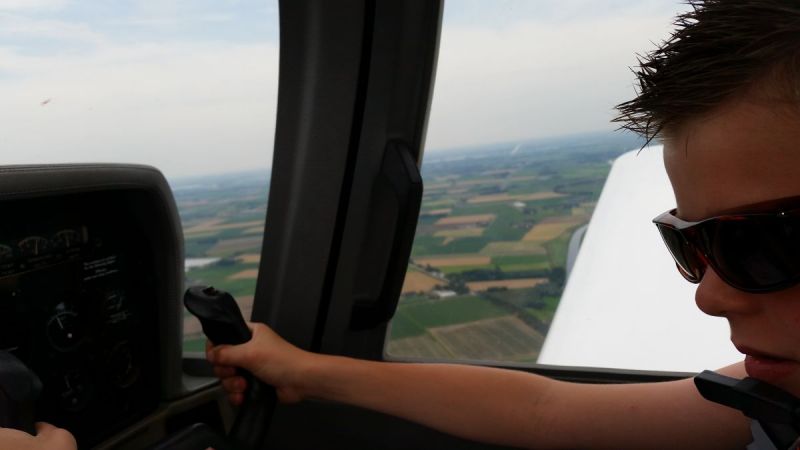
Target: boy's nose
{"points": [[717, 298]]}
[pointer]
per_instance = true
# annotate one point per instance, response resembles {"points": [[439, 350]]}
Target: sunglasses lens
{"points": [[689, 263], [757, 254]]}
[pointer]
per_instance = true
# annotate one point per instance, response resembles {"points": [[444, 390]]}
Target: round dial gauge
{"points": [[33, 246], [74, 391], [6, 253], [122, 365], [65, 331], [66, 239]]}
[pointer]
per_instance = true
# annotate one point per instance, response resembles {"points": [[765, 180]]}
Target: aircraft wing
{"points": [[625, 305]]}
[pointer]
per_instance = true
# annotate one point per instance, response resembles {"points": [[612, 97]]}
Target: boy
{"points": [[723, 95]]}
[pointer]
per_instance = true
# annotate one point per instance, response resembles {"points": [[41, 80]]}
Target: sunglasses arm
{"points": [[775, 412]]}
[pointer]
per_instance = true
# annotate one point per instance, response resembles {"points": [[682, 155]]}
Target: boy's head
{"points": [[721, 49], [723, 94]]}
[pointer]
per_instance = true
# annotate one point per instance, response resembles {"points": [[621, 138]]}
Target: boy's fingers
{"points": [[234, 385], [235, 399], [226, 355], [55, 436], [43, 428], [224, 371]]}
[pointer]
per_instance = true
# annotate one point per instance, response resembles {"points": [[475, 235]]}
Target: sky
{"points": [[190, 86]]}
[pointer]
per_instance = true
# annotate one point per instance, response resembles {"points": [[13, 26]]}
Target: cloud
{"points": [[190, 103], [32, 5], [185, 108], [19, 26], [535, 79]]}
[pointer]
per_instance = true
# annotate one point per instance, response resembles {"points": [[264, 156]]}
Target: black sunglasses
{"points": [[758, 252]]}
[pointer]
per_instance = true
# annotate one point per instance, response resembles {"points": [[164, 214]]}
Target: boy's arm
{"points": [[524, 410], [493, 405]]}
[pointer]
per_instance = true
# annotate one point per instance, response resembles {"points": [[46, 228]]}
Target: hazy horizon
{"points": [[191, 87]]}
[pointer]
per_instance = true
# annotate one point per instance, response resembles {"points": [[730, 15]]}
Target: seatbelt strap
{"points": [[775, 412]]}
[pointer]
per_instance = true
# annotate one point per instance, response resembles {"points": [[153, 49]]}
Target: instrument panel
{"points": [[77, 306]]}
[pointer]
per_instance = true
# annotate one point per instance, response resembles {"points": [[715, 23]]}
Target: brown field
{"points": [[504, 338], [460, 232], [459, 260], [552, 228], [214, 225], [423, 346], [528, 178], [466, 220], [509, 198], [497, 172], [437, 212], [201, 235], [244, 275], [249, 258], [204, 225], [420, 282], [457, 191], [513, 248], [229, 246], [479, 286]]}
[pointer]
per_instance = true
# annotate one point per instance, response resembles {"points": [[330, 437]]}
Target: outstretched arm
{"points": [[492, 405]]}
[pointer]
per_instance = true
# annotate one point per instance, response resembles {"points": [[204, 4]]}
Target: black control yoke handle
{"points": [[223, 323], [19, 389]]}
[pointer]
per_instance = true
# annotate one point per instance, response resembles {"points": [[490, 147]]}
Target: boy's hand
{"points": [[268, 357], [47, 437]]}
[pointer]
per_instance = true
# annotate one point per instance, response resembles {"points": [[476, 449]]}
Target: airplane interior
{"points": [[92, 273]]}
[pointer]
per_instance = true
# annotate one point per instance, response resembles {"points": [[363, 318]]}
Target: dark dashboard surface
{"points": [[77, 290]]}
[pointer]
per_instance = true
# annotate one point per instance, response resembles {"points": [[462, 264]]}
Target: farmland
{"points": [[494, 229], [488, 261]]}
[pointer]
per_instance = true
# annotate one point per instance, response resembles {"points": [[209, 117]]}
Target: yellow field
{"points": [[584, 209], [249, 258], [480, 286], [460, 260], [235, 245], [213, 225], [508, 198], [442, 202], [466, 220], [460, 232], [420, 282], [244, 275], [552, 228], [513, 248], [204, 225]]}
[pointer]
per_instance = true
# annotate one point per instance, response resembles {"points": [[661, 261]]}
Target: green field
{"points": [[501, 323], [518, 263], [404, 325]]}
